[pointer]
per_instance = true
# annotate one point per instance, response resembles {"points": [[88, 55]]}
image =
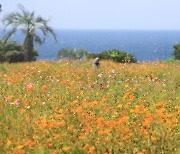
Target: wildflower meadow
{"points": [[49, 107]]}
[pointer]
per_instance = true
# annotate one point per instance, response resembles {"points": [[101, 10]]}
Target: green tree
{"points": [[176, 52], [115, 55], [31, 26], [67, 53], [13, 52]]}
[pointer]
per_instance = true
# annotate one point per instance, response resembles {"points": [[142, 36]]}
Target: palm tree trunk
{"points": [[28, 48]]}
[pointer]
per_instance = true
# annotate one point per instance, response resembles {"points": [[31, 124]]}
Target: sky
{"points": [[103, 14]]}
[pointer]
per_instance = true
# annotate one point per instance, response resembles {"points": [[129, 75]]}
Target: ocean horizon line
{"points": [[81, 29], [91, 29]]}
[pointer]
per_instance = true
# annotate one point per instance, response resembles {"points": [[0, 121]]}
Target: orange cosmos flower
{"points": [[88, 128], [55, 152], [175, 120], [110, 123], [65, 148], [153, 138], [108, 109], [107, 131], [91, 150], [79, 110], [122, 119], [17, 151], [10, 97], [30, 87], [30, 143], [100, 122], [85, 146], [161, 104], [128, 96], [101, 132], [81, 137], [146, 123], [56, 136], [63, 82], [100, 125], [44, 88], [23, 110]]}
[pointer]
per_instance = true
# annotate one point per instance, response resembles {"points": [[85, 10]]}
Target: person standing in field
{"points": [[96, 62]]}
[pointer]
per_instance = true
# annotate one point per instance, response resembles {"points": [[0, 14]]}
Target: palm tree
{"points": [[30, 25]]}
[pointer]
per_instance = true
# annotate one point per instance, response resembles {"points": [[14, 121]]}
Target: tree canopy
{"points": [[115, 55], [176, 52]]}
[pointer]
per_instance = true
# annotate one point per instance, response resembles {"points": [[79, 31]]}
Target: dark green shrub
{"points": [[14, 56], [2, 58], [115, 55], [14, 52], [92, 55], [34, 55], [176, 52]]}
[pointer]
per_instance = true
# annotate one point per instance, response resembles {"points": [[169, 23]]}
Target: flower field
{"points": [[70, 107]]}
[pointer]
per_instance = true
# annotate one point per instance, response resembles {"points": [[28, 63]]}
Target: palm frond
{"points": [[41, 24], [24, 12], [13, 19], [38, 39], [50, 30], [40, 20], [9, 34]]}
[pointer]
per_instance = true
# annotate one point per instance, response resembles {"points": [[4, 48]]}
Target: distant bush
{"points": [[115, 55], [1, 57], [67, 53], [176, 52], [171, 61], [13, 52], [14, 56]]}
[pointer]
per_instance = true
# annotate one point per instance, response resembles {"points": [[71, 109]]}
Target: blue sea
{"points": [[144, 45]]}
